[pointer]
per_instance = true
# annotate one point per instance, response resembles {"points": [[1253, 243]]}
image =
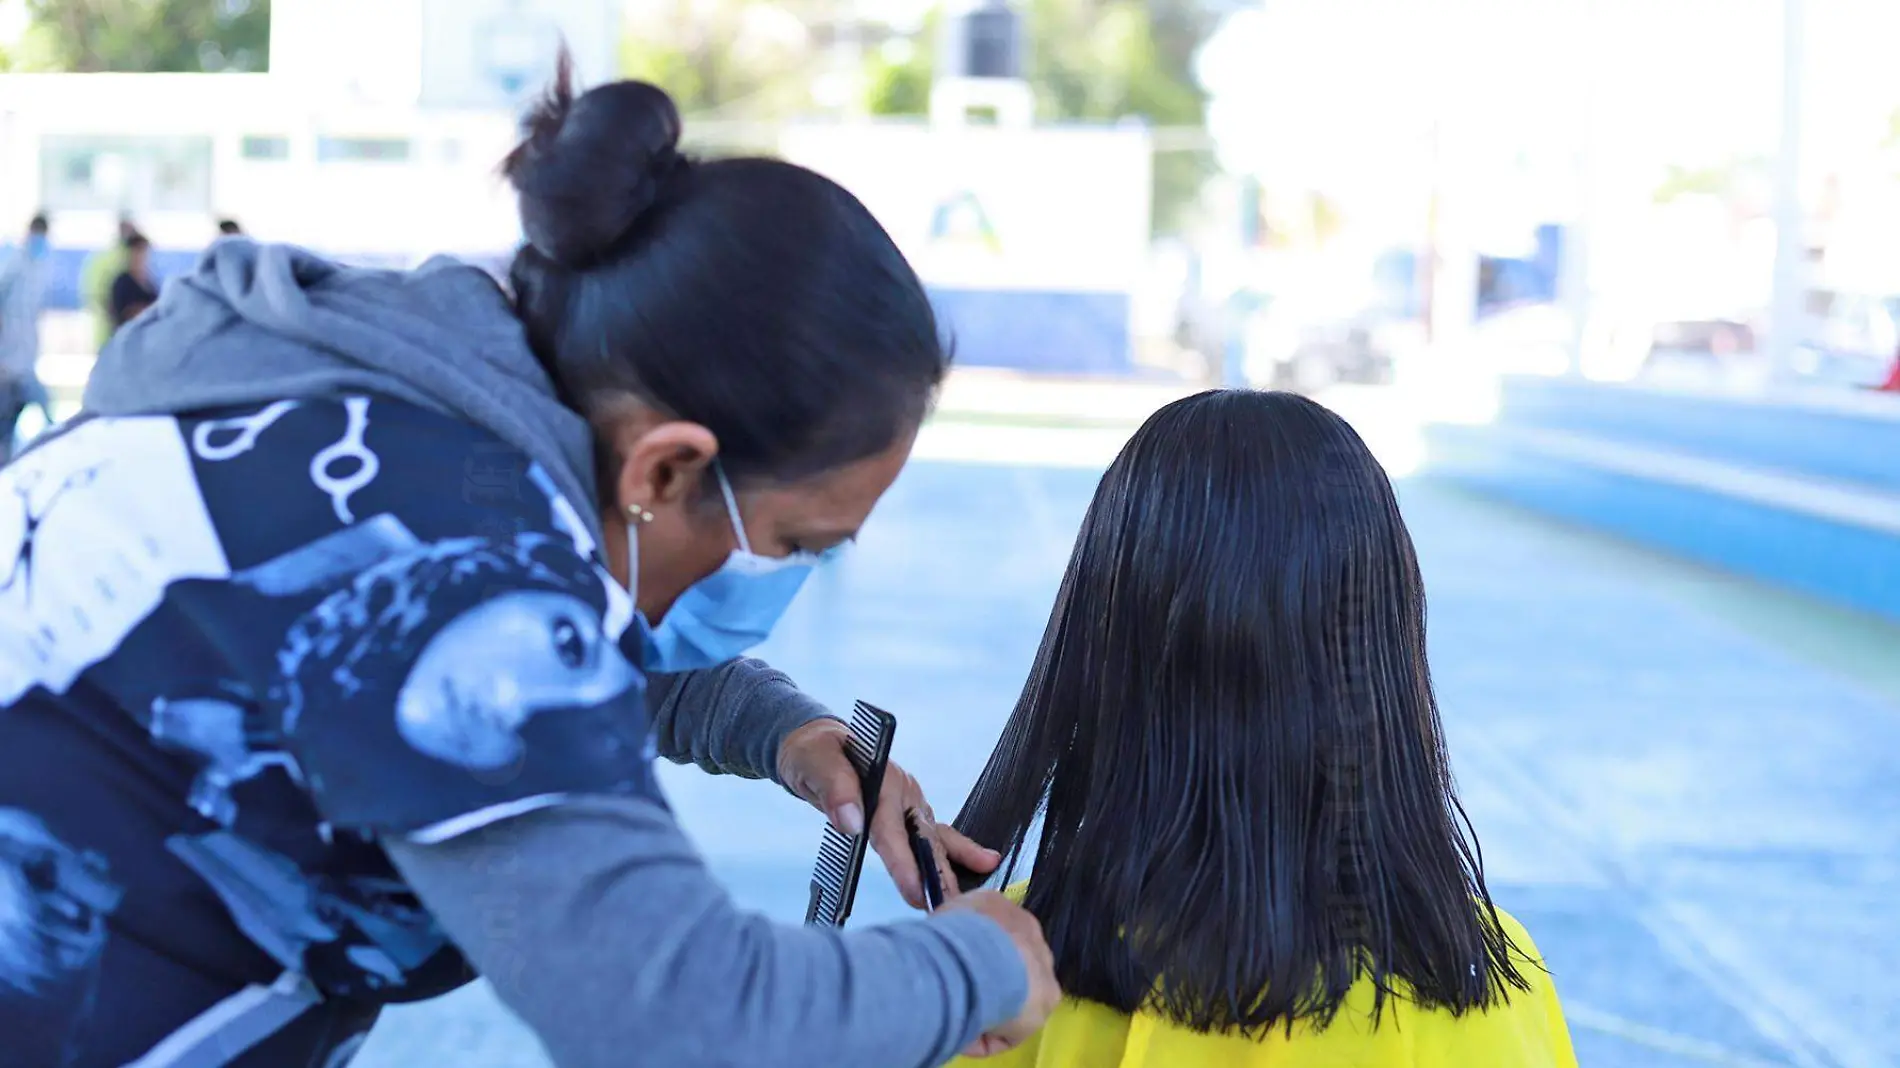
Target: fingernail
{"points": [[851, 818], [997, 853]]}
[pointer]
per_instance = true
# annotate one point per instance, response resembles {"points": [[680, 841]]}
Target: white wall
{"points": [[1068, 206], [444, 197]]}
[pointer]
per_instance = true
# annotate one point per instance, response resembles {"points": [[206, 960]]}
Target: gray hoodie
{"points": [[619, 948]]}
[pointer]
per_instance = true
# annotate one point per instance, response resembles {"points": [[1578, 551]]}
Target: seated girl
{"points": [[1250, 851]]}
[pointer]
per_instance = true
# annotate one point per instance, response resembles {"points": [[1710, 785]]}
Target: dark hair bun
{"points": [[588, 168]]}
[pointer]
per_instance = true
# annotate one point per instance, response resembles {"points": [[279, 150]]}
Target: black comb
{"points": [[834, 880]]}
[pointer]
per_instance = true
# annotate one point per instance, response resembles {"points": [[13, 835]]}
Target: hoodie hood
{"points": [[257, 323]]}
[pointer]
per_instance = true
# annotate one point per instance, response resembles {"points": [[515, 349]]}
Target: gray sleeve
{"points": [[729, 720], [597, 924]]}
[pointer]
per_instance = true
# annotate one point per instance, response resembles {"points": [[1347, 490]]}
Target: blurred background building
{"points": [[1284, 192]]}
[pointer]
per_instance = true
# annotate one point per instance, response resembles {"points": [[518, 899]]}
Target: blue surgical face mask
{"points": [[729, 611]]}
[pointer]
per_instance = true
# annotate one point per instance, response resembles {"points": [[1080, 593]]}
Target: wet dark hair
{"points": [[749, 295], [229, 226], [38, 224], [1230, 734]]}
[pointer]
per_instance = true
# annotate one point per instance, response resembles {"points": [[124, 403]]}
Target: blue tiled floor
{"points": [[1696, 818]]}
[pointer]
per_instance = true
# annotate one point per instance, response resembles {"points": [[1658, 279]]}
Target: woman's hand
{"points": [[814, 763], [1044, 992]]}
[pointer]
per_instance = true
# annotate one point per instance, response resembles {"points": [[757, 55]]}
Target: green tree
{"points": [[1093, 60], [144, 36], [1692, 181], [1724, 179], [898, 80], [732, 59]]}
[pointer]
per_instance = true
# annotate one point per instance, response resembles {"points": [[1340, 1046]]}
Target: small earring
{"points": [[639, 514]]}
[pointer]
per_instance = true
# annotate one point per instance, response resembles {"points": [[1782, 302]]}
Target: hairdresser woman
{"points": [[326, 638]]}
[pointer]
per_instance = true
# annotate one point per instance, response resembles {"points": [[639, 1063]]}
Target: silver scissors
{"points": [[350, 450], [244, 431]]}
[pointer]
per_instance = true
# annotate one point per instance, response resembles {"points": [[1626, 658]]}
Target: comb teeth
{"points": [[834, 878], [829, 878], [864, 732], [834, 854]]}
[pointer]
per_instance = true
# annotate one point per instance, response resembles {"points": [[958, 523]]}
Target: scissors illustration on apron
{"points": [[339, 470]]}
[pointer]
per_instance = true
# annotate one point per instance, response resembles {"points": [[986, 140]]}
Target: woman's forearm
{"points": [[597, 924], [730, 719]]}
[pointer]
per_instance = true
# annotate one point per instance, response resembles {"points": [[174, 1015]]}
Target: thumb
{"points": [[840, 796], [847, 816]]}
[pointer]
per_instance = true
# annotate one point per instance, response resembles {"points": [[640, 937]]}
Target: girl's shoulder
{"points": [[1524, 1029]]}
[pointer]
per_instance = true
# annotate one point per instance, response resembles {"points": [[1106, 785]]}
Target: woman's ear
{"points": [[662, 462]]}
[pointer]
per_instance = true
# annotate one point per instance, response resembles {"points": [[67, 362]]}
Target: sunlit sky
{"points": [[1334, 82], [1537, 106], [1696, 79], [13, 20]]}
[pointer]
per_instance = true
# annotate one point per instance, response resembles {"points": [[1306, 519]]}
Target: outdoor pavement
{"points": [[1686, 786]]}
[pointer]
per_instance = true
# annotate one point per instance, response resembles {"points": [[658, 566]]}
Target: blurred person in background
{"points": [[351, 614], [134, 290], [96, 276], [22, 299], [229, 228], [1251, 853]]}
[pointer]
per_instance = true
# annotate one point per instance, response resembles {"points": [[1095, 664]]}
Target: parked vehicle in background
{"points": [[1697, 330], [1531, 338], [1717, 338], [1851, 339], [1289, 346], [1703, 348], [1339, 318], [1892, 384]]}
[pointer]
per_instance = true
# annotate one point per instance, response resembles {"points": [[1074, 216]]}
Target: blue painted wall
{"points": [[1786, 438], [1504, 282], [1027, 330], [1843, 562], [64, 266]]}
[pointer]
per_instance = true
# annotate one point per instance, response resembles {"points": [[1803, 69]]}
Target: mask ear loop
{"points": [[633, 554], [732, 507]]}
